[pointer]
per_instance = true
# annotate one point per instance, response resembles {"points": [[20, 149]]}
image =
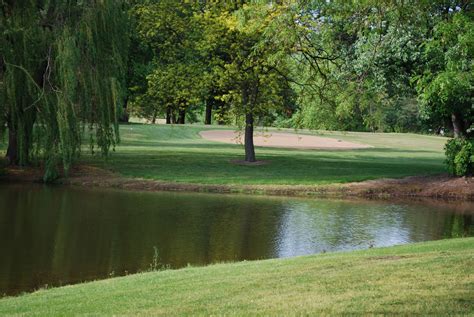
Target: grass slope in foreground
{"points": [[435, 278], [179, 154]]}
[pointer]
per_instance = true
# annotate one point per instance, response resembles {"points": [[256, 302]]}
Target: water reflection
{"points": [[56, 235]]}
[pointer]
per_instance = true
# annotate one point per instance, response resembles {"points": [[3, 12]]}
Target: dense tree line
{"points": [[67, 67], [364, 65]]}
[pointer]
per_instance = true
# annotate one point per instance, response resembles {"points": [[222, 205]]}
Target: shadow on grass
{"points": [[216, 146], [216, 167], [179, 143]]}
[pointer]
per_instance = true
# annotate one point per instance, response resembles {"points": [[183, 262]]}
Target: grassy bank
{"points": [[178, 154], [435, 278]]}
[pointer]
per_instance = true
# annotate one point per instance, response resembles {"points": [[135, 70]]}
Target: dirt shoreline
{"points": [[443, 187]]}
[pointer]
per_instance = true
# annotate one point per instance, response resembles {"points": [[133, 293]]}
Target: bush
{"points": [[459, 157]]}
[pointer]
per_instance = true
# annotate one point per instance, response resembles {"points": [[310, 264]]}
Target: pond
{"points": [[51, 236]]}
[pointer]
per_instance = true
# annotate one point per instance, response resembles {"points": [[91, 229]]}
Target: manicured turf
{"points": [[178, 154], [434, 278]]}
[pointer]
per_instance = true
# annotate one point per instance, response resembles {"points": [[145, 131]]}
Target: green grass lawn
{"points": [[433, 278], [178, 154]]}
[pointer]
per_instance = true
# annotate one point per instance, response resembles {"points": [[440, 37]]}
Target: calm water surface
{"points": [[53, 236]]}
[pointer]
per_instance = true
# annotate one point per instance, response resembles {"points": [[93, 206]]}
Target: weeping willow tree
{"points": [[62, 65]]}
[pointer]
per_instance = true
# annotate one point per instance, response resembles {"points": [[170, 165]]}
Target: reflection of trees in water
{"points": [[26, 237], [428, 221], [65, 236], [459, 226]]}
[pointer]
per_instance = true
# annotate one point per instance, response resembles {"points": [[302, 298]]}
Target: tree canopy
{"points": [[343, 65], [446, 84], [62, 70]]}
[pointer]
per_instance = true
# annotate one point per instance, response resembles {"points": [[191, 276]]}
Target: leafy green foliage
{"points": [[460, 156], [175, 75], [63, 66], [384, 75], [226, 57], [339, 65], [367, 85], [446, 85]]}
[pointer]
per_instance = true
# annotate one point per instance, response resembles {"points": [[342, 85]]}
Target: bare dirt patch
{"points": [[443, 187], [437, 186], [283, 140]]}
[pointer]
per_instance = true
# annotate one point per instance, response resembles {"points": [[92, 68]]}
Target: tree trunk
{"points": [[182, 116], [124, 117], [249, 146], [458, 125], [248, 142], [168, 115], [153, 119], [208, 118], [12, 151], [467, 127]]}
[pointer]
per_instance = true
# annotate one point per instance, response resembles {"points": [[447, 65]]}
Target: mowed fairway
{"points": [[433, 278], [178, 154]]}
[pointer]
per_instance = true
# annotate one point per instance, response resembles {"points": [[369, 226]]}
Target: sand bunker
{"points": [[283, 140]]}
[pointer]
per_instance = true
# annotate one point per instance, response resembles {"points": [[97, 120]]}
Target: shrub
{"points": [[459, 156]]}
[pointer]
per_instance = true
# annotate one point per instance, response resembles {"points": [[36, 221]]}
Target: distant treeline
{"points": [[360, 65]]}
